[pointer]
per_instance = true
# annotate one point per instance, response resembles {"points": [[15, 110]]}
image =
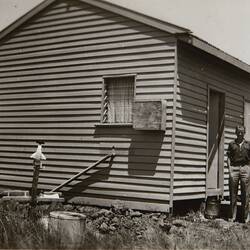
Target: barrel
{"points": [[68, 226], [212, 210]]}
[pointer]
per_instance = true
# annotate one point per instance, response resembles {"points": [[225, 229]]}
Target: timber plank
{"points": [[84, 59], [80, 40], [106, 25], [37, 24], [112, 19], [81, 68], [137, 205], [90, 72], [50, 17], [95, 50]]}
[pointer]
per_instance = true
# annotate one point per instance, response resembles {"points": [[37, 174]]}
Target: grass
{"points": [[21, 228]]}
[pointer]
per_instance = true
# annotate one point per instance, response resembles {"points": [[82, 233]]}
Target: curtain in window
{"points": [[120, 93]]}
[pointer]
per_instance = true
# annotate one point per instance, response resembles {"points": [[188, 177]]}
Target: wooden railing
{"points": [[111, 156]]}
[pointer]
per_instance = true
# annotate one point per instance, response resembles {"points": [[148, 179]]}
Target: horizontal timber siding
{"points": [[196, 73], [51, 76]]}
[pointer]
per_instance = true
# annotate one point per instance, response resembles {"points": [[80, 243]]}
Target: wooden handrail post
{"points": [[113, 151]]}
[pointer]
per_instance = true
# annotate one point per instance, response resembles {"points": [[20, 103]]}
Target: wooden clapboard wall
{"points": [[51, 76], [197, 72]]}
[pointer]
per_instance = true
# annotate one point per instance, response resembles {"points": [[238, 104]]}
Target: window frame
{"points": [[104, 79]]}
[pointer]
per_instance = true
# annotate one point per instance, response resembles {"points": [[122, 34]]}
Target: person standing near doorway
{"points": [[239, 170]]}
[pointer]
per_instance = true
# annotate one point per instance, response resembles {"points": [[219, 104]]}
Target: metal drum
{"points": [[212, 210], [68, 226]]}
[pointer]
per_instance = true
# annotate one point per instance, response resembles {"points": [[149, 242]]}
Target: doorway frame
{"points": [[245, 100], [220, 190]]}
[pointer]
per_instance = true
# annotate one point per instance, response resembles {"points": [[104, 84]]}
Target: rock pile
{"points": [[108, 221]]}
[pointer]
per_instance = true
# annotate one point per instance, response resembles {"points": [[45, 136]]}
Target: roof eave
{"points": [[154, 22], [25, 17], [210, 49]]}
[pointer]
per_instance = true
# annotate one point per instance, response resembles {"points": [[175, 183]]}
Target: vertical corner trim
{"points": [[173, 129]]}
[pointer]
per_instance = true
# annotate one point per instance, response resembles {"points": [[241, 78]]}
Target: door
{"points": [[215, 163], [247, 120]]}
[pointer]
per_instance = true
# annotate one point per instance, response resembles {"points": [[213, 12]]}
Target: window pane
{"points": [[120, 93]]}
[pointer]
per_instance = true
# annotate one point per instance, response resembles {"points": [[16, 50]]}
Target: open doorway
{"points": [[215, 166]]}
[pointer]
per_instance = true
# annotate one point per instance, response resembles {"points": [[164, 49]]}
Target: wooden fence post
{"points": [[36, 172]]}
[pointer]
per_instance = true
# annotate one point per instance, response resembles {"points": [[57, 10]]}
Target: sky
{"points": [[223, 23]]}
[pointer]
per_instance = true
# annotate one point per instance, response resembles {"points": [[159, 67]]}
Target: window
{"points": [[118, 100]]}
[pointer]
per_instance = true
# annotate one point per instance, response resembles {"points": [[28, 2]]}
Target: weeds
{"points": [[22, 228]]}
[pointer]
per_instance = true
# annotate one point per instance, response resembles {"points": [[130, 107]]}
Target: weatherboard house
{"points": [[87, 75]]}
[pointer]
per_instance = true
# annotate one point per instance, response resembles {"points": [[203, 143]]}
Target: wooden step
{"points": [[28, 199], [16, 193]]}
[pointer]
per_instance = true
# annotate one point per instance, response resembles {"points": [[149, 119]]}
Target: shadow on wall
{"points": [[142, 156], [143, 153], [97, 174]]}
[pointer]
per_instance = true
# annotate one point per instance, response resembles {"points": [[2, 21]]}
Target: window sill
{"points": [[114, 125]]}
